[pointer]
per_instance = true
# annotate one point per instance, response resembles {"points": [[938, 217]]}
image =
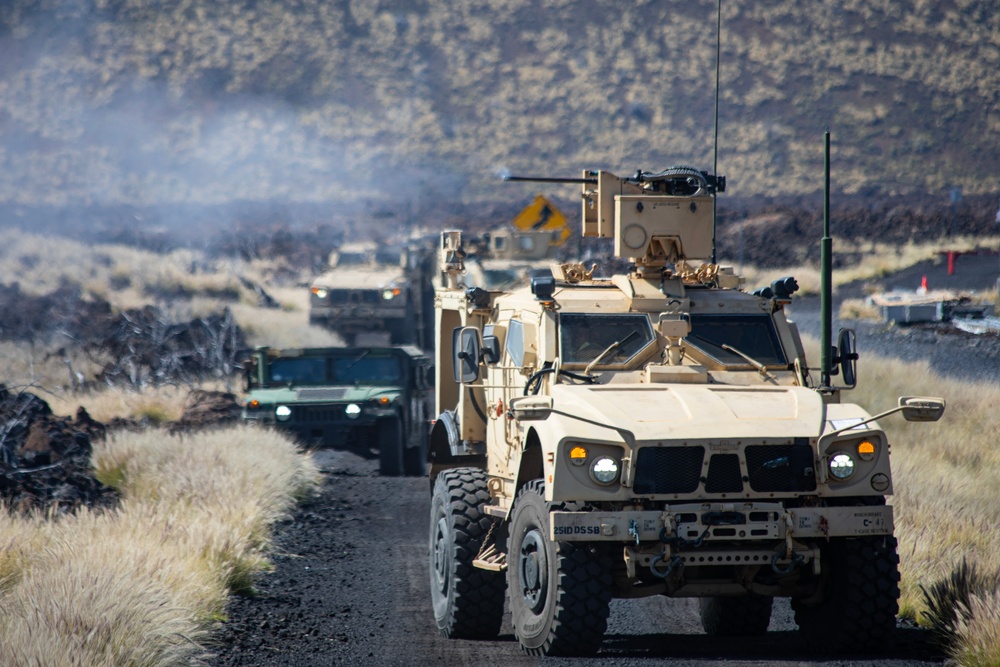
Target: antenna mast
{"points": [[715, 150]]}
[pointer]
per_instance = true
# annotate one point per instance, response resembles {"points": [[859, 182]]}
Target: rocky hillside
{"points": [[402, 104]]}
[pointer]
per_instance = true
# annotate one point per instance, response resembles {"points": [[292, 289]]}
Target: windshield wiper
{"points": [[608, 350], [761, 368], [356, 360]]}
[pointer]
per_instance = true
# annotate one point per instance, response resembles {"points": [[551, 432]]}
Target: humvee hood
{"points": [[346, 394], [692, 412]]}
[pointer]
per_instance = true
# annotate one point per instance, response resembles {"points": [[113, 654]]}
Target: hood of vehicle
{"points": [[344, 394], [682, 412]]}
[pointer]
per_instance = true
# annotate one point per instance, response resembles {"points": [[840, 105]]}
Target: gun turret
{"points": [[654, 218]]}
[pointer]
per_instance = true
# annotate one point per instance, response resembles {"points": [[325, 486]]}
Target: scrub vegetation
{"points": [[127, 102], [146, 583]]}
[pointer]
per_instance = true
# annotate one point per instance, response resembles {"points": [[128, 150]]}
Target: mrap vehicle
{"points": [[658, 432], [372, 400]]}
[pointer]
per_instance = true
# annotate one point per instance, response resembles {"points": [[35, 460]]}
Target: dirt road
{"points": [[351, 588]]}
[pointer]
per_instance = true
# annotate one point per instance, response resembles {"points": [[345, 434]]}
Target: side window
{"points": [[515, 342]]}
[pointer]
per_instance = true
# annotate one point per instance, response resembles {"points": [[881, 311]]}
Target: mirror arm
{"points": [[891, 411]]}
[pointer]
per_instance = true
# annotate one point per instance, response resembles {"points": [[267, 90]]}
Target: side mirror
{"points": [[249, 368], [921, 408], [465, 354], [847, 356], [491, 350], [530, 408]]}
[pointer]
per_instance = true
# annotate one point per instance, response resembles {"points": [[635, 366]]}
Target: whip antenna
{"points": [[715, 150]]}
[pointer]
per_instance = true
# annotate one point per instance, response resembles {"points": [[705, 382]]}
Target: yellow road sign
{"points": [[539, 215]]}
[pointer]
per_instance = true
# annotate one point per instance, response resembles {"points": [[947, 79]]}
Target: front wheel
{"points": [[861, 589], [560, 592], [468, 602]]}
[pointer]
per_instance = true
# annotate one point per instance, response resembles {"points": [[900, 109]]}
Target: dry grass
{"points": [[858, 309], [143, 584]]}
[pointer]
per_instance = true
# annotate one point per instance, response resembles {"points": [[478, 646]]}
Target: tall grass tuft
{"points": [[145, 583], [949, 600]]}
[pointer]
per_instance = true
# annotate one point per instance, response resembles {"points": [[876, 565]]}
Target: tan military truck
{"points": [[653, 433], [375, 294]]}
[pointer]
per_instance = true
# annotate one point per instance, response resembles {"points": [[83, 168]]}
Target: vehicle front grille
{"points": [[668, 469], [724, 474], [769, 468], [347, 296], [313, 414], [781, 467]]}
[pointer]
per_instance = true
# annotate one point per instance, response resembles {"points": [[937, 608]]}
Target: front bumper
{"points": [[728, 522], [744, 536]]}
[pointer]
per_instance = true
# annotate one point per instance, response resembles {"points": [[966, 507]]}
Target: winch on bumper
{"points": [[764, 533]]}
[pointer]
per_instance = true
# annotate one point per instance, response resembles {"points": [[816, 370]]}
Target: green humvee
{"points": [[366, 399]]}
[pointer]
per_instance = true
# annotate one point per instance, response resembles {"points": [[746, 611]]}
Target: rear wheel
{"points": [[560, 592], [468, 602], [736, 617], [390, 447], [861, 591]]}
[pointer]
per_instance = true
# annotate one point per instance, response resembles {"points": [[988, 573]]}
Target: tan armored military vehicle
{"points": [[504, 258], [373, 294], [654, 433]]}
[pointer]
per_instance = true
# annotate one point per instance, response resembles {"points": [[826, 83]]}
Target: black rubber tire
{"points": [[390, 447], [736, 617], [858, 614], [560, 592], [467, 601], [401, 331], [415, 459]]}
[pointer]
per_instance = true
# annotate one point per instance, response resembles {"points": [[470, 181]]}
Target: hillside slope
{"points": [[206, 102]]}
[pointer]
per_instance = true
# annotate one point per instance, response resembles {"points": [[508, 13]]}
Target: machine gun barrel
{"points": [[547, 179]]}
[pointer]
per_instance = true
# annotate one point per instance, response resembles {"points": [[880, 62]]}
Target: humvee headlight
{"points": [[842, 466], [390, 294], [352, 410], [283, 413], [578, 455], [866, 450], [320, 292], [604, 470]]}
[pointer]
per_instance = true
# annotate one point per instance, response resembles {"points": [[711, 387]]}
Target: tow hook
{"points": [[671, 566], [794, 561]]}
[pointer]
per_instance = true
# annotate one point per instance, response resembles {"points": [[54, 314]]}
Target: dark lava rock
{"points": [[44, 459], [205, 408]]}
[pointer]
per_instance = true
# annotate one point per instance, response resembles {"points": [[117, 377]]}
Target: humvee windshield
{"points": [[753, 335], [583, 337], [300, 370], [366, 370], [338, 370]]}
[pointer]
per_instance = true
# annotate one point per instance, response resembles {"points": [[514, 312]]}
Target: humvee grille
{"points": [[668, 469], [317, 413], [781, 467], [724, 475]]}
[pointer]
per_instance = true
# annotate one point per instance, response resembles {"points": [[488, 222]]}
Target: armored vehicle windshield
{"points": [[609, 339], [753, 335]]}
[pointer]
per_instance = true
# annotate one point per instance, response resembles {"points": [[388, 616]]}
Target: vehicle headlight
{"points": [[283, 413], [389, 294], [604, 470], [352, 410], [320, 292], [842, 466]]}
